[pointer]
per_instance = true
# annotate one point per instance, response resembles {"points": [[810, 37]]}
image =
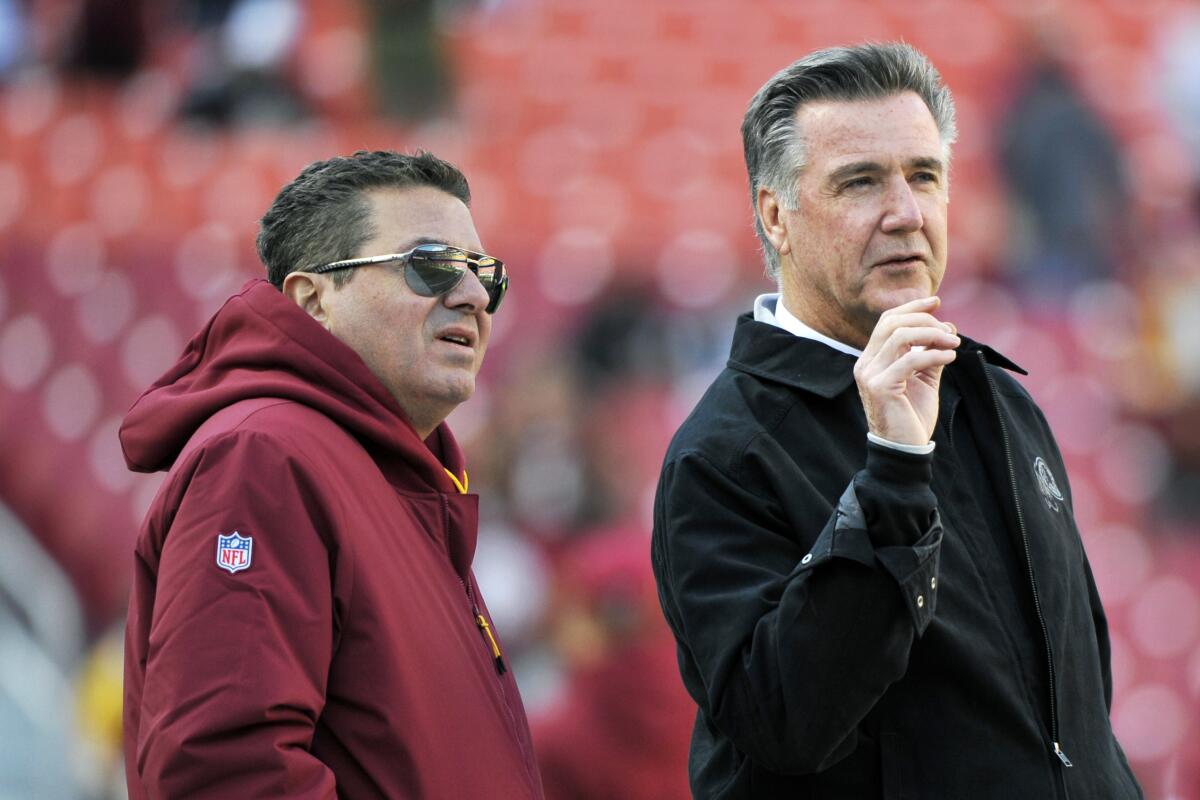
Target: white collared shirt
{"points": [[769, 308]]}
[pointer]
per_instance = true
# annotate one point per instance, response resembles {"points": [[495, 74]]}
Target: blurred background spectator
{"points": [[238, 55], [13, 28], [1065, 178], [414, 79], [105, 38], [140, 142], [621, 724]]}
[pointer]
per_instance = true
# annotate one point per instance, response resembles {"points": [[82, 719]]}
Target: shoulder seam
{"points": [[238, 430], [729, 473]]}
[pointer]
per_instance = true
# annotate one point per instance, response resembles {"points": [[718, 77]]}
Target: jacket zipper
{"points": [[1037, 603], [497, 659], [481, 621]]}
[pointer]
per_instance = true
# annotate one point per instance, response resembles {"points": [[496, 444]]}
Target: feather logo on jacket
{"points": [[1045, 479]]}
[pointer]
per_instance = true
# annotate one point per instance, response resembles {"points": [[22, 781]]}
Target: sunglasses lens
{"points": [[495, 295], [489, 273], [434, 270]]}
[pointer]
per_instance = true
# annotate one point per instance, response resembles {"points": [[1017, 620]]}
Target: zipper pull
{"points": [[1062, 756], [482, 622]]}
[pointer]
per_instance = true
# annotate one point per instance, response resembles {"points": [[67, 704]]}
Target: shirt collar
{"points": [[769, 308]]}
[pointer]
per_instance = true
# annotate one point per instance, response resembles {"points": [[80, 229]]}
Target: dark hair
{"points": [[323, 215], [774, 149]]}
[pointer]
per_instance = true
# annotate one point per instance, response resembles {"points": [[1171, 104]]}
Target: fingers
{"points": [[898, 334], [911, 363], [914, 314], [902, 340], [900, 370], [893, 369]]}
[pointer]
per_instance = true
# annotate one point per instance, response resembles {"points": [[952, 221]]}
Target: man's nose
{"points": [[902, 213]]}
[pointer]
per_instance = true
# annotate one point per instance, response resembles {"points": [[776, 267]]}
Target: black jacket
{"points": [[857, 622]]}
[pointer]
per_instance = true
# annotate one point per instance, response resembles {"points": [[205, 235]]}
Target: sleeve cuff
{"points": [[915, 571], [913, 567], [898, 468]]}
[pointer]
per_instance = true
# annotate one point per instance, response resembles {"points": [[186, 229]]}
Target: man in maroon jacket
{"points": [[304, 620]]}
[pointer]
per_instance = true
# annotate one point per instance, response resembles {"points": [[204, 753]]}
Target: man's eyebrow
{"points": [[874, 167], [854, 168], [929, 163]]}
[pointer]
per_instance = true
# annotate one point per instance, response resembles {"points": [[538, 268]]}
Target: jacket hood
{"points": [[261, 344]]}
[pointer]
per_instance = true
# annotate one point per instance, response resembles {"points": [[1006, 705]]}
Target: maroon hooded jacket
{"points": [[344, 651]]}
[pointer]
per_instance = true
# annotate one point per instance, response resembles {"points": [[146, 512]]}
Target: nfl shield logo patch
{"points": [[234, 551]]}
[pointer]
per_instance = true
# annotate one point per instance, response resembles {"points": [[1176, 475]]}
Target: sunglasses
{"points": [[433, 270]]}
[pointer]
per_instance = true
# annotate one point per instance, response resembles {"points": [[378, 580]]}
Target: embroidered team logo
{"points": [[1046, 484], [234, 551]]}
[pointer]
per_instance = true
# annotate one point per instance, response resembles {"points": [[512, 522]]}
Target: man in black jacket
{"points": [[863, 535]]}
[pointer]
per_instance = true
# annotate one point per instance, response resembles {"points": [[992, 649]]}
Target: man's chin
{"points": [[891, 298], [461, 389]]}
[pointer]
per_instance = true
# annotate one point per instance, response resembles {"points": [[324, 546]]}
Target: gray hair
{"points": [[775, 152]]}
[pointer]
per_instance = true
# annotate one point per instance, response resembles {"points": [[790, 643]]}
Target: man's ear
{"points": [[770, 214], [309, 292]]}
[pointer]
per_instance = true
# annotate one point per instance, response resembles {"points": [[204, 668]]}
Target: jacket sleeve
{"points": [[237, 663], [787, 648]]}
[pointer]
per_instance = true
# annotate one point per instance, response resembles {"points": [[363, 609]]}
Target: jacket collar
{"points": [[991, 355], [774, 354]]}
